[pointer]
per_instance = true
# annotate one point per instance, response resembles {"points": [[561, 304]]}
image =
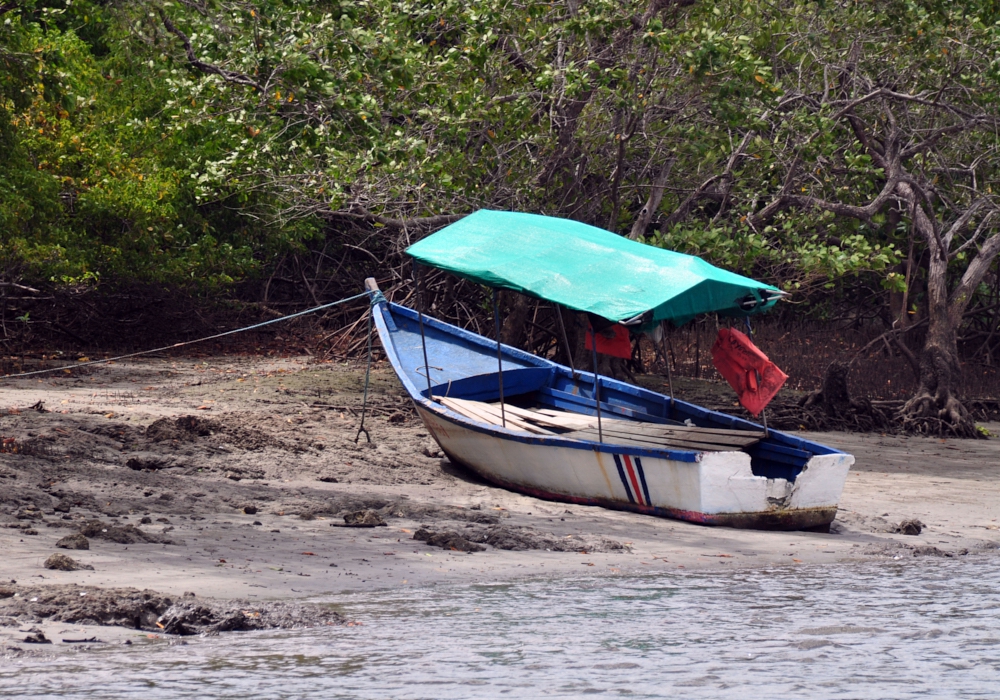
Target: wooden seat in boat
{"points": [[576, 426]]}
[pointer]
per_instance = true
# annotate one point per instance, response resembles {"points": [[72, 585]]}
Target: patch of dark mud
{"points": [[898, 550], [184, 428], [447, 539], [122, 534], [323, 503], [190, 428], [153, 611], [426, 511], [513, 538], [148, 460]]}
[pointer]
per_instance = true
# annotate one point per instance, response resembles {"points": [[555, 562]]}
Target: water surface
{"points": [[886, 629]]}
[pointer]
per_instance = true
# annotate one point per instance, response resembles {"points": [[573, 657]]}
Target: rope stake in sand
{"points": [[376, 298], [189, 342]]}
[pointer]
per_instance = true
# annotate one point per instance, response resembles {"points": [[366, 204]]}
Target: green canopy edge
{"points": [[588, 269]]}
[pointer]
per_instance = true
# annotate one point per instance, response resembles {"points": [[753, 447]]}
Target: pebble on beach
{"points": [[60, 562], [74, 541]]}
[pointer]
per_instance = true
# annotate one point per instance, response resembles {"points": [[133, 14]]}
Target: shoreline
{"points": [[243, 464]]}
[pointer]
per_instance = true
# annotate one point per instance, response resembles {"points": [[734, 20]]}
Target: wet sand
{"points": [[226, 477]]}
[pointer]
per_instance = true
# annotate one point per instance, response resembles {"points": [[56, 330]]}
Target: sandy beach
{"points": [[229, 478]]}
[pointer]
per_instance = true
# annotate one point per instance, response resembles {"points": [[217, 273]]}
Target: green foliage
{"points": [[97, 184], [124, 159]]}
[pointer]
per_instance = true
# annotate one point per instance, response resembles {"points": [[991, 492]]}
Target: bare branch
{"points": [[974, 274], [682, 209], [963, 221], [227, 75], [920, 98], [362, 214], [653, 202], [975, 236], [931, 140], [20, 286], [780, 201]]}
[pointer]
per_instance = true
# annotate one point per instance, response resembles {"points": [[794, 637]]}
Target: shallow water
{"points": [[898, 629]]}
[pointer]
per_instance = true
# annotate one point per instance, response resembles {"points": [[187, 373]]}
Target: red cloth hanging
{"points": [[754, 377], [613, 341]]}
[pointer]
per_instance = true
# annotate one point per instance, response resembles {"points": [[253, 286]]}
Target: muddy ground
{"points": [[202, 495]]}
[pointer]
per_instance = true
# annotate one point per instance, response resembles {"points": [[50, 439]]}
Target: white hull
{"points": [[716, 488], [722, 471]]}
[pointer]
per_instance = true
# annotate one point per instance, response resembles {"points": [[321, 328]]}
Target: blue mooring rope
{"points": [[211, 337]]}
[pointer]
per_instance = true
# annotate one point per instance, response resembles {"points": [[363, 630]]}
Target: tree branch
{"points": [[975, 236], [227, 75], [682, 209], [778, 202], [653, 202], [363, 214], [936, 136], [863, 213], [963, 221], [974, 274], [901, 97]]}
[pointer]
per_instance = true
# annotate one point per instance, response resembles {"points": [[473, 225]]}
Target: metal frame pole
{"points": [[666, 358], [562, 330], [417, 274], [496, 323], [597, 382]]}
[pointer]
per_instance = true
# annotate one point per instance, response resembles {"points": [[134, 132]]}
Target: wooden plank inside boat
{"points": [[651, 441], [488, 413], [615, 431]]}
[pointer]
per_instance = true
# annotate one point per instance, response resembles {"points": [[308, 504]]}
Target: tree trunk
{"points": [[936, 409], [515, 320]]}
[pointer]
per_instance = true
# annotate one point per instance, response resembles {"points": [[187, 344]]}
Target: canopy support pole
{"points": [[666, 359], [597, 383], [496, 323], [420, 319], [562, 331]]}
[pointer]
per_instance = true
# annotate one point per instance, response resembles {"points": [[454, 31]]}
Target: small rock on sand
{"points": [[364, 517], [911, 526], [76, 541], [36, 636], [60, 562]]}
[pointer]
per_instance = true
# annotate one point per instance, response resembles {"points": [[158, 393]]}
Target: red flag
{"points": [[612, 341], [754, 377]]}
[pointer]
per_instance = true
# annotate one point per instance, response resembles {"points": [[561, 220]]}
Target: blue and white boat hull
{"points": [[780, 482]]}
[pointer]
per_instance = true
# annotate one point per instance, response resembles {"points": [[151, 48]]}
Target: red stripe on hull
{"points": [[817, 519], [635, 482]]}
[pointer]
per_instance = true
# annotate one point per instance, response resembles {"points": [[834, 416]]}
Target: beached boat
{"points": [[531, 425]]}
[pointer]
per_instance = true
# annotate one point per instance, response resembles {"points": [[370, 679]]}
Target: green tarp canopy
{"points": [[588, 269]]}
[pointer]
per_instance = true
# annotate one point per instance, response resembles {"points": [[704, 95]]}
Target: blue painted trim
{"points": [[485, 387], [642, 480], [585, 404], [624, 478]]}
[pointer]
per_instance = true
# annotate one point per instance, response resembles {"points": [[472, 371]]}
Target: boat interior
{"points": [[541, 398]]}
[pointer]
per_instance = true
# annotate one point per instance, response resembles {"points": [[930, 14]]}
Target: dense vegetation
{"points": [[845, 150]]}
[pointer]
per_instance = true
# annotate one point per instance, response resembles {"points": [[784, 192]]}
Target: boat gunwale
{"points": [[417, 397]]}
